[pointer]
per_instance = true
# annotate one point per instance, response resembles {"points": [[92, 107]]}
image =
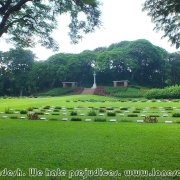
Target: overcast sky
{"points": [[122, 20]]}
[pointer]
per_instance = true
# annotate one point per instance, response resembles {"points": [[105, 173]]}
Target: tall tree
{"points": [[166, 16], [86, 59], [174, 60], [25, 20], [18, 63], [148, 60], [40, 76]]}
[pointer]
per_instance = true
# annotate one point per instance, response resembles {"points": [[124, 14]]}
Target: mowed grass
{"points": [[20, 103], [85, 102], [80, 145], [51, 101], [70, 145]]}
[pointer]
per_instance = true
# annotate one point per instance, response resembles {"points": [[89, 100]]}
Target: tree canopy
{"points": [[140, 62], [15, 66], [30, 21], [166, 16]]}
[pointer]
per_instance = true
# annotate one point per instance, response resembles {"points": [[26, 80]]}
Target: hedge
{"points": [[171, 92]]}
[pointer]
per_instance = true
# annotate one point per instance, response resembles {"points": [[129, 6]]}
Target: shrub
{"points": [[153, 115], [91, 107], [111, 114], [92, 100], [83, 101], [166, 93], [154, 107], [76, 119], [80, 107], [95, 109], [99, 120], [92, 113], [39, 113], [8, 111], [73, 113], [47, 107], [118, 111], [132, 115], [134, 100], [32, 116], [136, 111], [110, 108], [58, 107], [56, 110], [168, 108], [30, 108], [125, 92], [102, 110], [53, 119], [23, 112], [150, 120], [176, 100], [125, 120], [153, 100], [55, 114], [14, 117], [124, 108], [176, 115]]}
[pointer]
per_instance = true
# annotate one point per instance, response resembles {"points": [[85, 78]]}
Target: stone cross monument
{"points": [[94, 85]]}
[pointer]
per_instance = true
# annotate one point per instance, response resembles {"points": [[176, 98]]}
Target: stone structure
{"points": [[94, 84], [69, 84], [120, 83]]}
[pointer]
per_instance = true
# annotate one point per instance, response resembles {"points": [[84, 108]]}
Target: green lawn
{"points": [[62, 101], [78, 145], [85, 102], [52, 101]]}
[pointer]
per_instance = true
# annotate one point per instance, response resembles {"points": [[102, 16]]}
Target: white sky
{"points": [[122, 20]]}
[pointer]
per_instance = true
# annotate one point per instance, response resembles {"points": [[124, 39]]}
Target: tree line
{"points": [[140, 62]]}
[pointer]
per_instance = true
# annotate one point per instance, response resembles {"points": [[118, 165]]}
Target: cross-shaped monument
{"points": [[94, 85]]}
